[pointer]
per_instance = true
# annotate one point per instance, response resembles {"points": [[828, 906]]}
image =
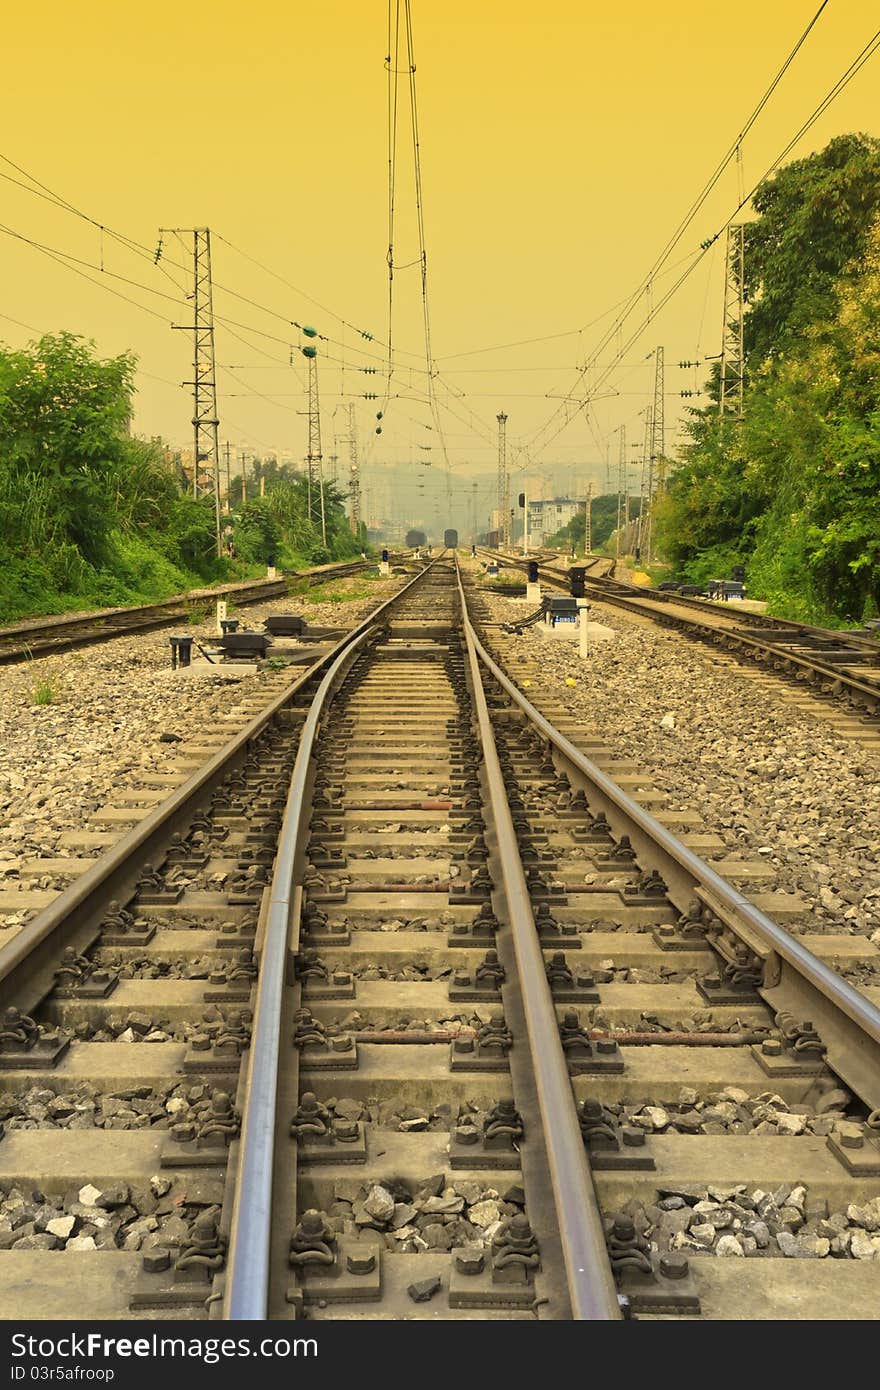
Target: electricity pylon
{"points": [[354, 479], [503, 484], [313, 458], [205, 421], [730, 392]]}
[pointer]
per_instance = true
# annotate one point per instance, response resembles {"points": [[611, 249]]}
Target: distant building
{"points": [[546, 518]]}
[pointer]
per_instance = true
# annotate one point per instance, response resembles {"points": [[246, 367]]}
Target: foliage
{"points": [[279, 529], [793, 490], [603, 523], [91, 517], [88, 515], [45, 693]]}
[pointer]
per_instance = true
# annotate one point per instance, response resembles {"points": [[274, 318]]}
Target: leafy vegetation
{"points": [[45, 693], [603, 524], [92, 517], [791, 491]]}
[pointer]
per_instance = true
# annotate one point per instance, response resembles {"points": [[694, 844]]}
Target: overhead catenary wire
{"points": [[851, 71], [730, 154]]}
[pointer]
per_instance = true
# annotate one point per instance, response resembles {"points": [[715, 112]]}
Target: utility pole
{"points": [[588, 522], [334, 468], [206, 425], [228, 480], [243, 477], [315, 461], [658, 446], [354, 482], [621, 488], [730, 389], [503, 487], [473, 513], [646, 449]]}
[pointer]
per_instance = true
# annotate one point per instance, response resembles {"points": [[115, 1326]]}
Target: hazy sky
{"points": [[560, 146]]}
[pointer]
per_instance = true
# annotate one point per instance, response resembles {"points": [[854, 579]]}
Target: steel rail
{"points": [[27, 961], [828, 985], [652, 606], [246, 1294], [57, 633], [591, 1287], [248, 1269]]}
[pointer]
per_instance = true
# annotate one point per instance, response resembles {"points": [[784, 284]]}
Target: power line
{"points": [[854, 68], [689, 216]]}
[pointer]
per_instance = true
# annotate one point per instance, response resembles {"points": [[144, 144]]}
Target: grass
{"points": [[45, 693], [198, 613], [500, 584]]}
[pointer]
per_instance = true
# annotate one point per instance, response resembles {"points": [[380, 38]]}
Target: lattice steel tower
{"points": [[205, 421], [503, 483], [730, 391], [621, 491], [354, 477], [314, 459], [656, 462]]}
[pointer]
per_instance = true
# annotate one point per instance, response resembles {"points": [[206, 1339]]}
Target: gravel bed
{"points": [[119, 1217], [60, 762], [732, 1111], [433, 1216], [736, 1222], [769, 780]]}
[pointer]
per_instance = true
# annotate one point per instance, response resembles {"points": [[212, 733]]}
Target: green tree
{"points": [[814, 223], [793, 489]]}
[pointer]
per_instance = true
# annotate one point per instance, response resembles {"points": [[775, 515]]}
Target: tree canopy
{"points": [[91, 515], [793, 489]]}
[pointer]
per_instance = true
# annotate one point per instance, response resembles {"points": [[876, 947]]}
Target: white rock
{"points": [[81, 1243], [61, 1226], [861, 1246], [484, 1213], [728, 1245], [379, 1203], [790, 1124], [89, 1195]]}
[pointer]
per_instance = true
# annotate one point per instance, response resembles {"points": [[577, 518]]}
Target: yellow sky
{"points": [[561, 143]]}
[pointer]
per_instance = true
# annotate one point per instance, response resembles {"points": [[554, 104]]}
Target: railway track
{"points": [[843, 666], [354, 1026], [27, 641]]}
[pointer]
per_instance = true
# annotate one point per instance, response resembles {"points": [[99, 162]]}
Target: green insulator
{"points": [[309, 351], [309, 332]]}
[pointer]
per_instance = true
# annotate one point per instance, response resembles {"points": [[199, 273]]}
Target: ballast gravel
{"points": [[773, 782], [110, 705]]}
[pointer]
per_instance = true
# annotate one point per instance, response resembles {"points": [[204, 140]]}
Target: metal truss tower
{"points": [[205, 422], [641, 521], [354, 477], [503, 484], [656, 461], [621, 490], [314, 459], [730, 392]]}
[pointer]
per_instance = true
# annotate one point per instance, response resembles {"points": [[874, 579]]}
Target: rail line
{"points": [[350, 1003], [839, 665], [38, 637]]}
